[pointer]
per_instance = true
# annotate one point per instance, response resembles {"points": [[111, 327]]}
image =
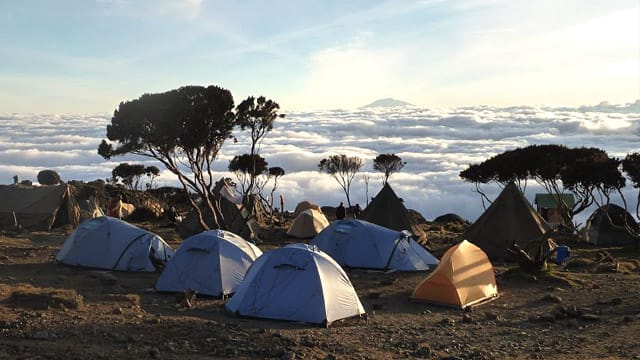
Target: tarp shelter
{"points": [[308, 223], [387, 210], [297, 282], [304, 205], [361, 244], [509, 220], [213, 263], [239, 219], [38, 207], [112, 244], [548, 206], [603, 230], [464, 277]]}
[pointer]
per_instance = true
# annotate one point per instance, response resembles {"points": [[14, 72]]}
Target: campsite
{"points": [[585, 308]]}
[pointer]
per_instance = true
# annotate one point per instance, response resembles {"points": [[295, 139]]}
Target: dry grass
{"points": [[31, 297]]}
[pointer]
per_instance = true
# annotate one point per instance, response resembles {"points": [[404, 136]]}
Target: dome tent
{"points": [[361, 244], [464, 278], [213, 263], [297, 282], [112, 244], [308, 224], [607, 226], [304, 205]]}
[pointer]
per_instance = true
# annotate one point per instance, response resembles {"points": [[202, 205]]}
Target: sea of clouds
{"points": [[436, 143]]}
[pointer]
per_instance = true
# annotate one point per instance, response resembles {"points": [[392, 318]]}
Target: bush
{"points": [[48, 177]]}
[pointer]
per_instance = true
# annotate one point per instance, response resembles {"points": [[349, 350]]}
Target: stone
{"points": [[589, 317], [552, 298], [491, 316]]}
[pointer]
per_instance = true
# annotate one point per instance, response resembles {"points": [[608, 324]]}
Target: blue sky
{"points": [[86, 56]]}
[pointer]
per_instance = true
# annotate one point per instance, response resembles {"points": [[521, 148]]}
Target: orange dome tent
{"points": [[463, 278]]}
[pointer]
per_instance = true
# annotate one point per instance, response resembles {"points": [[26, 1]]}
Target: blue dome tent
{"points": [[213, 263], [361, 244], [297, 282]]}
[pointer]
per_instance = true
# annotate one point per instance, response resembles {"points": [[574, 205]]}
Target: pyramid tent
{"points": [[213, 263], [297, 282], [602, 231], [38, 207], [509, 220], [361, 244], [112, 244], [387, 210], [308, 224], [304, 205], [463, 278]]}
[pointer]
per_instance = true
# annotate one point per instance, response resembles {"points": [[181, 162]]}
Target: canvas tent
{"points": [[308, 224], [112, 244], [509, 220], [38, 207], [239, 219], [297, 282], [361, 244], [213, 263], [600, 230], [387, 210], [464, 278]]}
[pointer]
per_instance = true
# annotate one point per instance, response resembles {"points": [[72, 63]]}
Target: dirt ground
{"points": [[590, 310]]}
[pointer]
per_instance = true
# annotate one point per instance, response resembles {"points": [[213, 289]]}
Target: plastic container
{"points": [[563, 253]]}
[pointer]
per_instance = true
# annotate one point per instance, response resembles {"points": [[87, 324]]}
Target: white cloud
{"points": [[436, 144]]}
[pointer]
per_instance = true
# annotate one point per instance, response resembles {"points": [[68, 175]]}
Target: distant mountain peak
{"points": [[388, 102]]}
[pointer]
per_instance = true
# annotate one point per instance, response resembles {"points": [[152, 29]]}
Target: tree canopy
{"points": [[247, 167], [49, 177], [183, 128], [586, 172], [388, 164], [631, 167], [257, 116], [343, 169], [131, 174]]}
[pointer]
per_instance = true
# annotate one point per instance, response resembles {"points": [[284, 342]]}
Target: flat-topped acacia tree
{"points": [[184, 129], [388, 164], [588, 173], [343, 168]]}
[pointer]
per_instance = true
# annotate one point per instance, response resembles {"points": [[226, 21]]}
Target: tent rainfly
{"points": [[387, 210], [304, 205], [297, 282], [112, 244], [361, 244], [213, 263], [509, 220], [463, 278]]}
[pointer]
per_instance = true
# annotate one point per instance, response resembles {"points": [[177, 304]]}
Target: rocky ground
{"points": [[590, 310]]}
